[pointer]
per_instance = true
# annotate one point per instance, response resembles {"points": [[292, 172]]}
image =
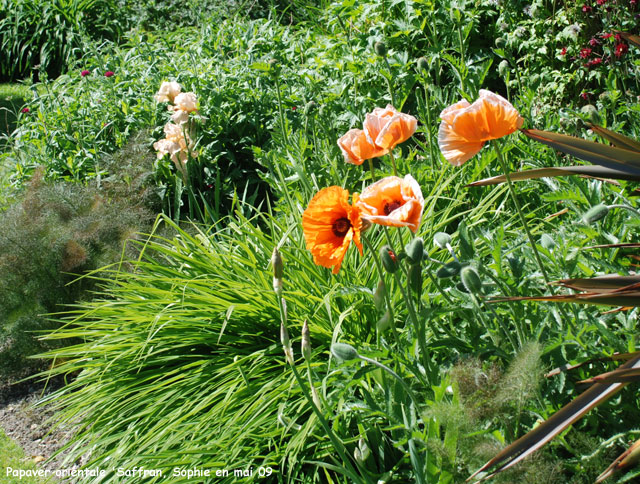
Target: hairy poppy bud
{"points": [[306, 341], [415, 250], [547, 242], [389, 259], [274, 66], [442, 239], [423, 64], [471, 280], [384, 322], [503, 68], [310, 107], [276, 263], [415, 278], [380, 48], [592, 112], [449, 270], [378, 296], [344, 351], [595, 213]]}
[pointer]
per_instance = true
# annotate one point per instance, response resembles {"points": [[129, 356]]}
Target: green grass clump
{"points": [[12, 456]]}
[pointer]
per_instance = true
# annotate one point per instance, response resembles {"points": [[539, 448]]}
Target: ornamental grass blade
{"points": [[612, 157], [628, 458], [554, 425], [626, 245], [606, 283], [620, 299], [613, 357], [583, 170], [616, 376], [631, 38], [617, 139]]}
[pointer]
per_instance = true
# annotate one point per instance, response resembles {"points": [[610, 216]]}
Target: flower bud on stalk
{"points": [[276, 262], [423, 64], [415, 250], [471, 280], [389, 259], [286, 343], [378, 296], [306, 341], [384, 322], [415, 278], [344, 351], [595, 213], [380, 48]]}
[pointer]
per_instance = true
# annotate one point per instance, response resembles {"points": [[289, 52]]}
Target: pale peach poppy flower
{"points": [[167, 92], [356, 148], [393, 201], [466, 127], [186, 101], [386, 128]]}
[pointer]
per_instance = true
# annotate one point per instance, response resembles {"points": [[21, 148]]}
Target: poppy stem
{"points": [[386, 293], [512, 191], [393, 162], [372, 170]]}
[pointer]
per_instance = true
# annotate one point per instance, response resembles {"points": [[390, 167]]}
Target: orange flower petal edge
{"points": [[356, 147], [329, 224], [465, 127], [393, 201], [386, 128]]}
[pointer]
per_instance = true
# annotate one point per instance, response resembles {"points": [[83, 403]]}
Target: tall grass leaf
{"points": [[616, 139], [627, 459]]}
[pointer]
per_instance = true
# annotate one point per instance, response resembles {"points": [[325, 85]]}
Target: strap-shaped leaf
{"points": [[632, 38], [620, 140], [557, 423], [585, 170], [607, 283], [615, 376], [613, 357], [628, 458], [625, 245], [625, 299], [610, 156]]}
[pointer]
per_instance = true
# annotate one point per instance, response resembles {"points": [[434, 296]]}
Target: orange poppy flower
{"points": [[356, 148], [386, 128], [466, 127], [393, 201], [330, 224]]}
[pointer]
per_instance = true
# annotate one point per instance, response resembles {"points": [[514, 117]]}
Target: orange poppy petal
{"points": [[330, 224], [449, 114], [398, 129], [356, 147], [502, 118], [393, 201], [455, 149]]}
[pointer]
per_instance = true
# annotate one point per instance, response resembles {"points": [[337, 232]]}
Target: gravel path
{"points": [[29, 425]]}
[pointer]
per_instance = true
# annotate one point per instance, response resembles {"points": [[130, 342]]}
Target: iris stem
{"points": [[512, 191]]}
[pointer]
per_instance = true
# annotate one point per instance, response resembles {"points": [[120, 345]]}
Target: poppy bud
{"points": [[592, 112], [378, 296], [442, 239], [384, 322], [344, 351], [595, 213], [423, 64], [503, 68], [306, 343], [415, 278], [274, 66], [380, 48], [547, 242], [449, 270], [389, 259], [415, 250], [471, 280], [310, 107]]}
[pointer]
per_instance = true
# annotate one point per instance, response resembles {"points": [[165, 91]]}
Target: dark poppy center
{"points": [[391, 206], [341, 226]]}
